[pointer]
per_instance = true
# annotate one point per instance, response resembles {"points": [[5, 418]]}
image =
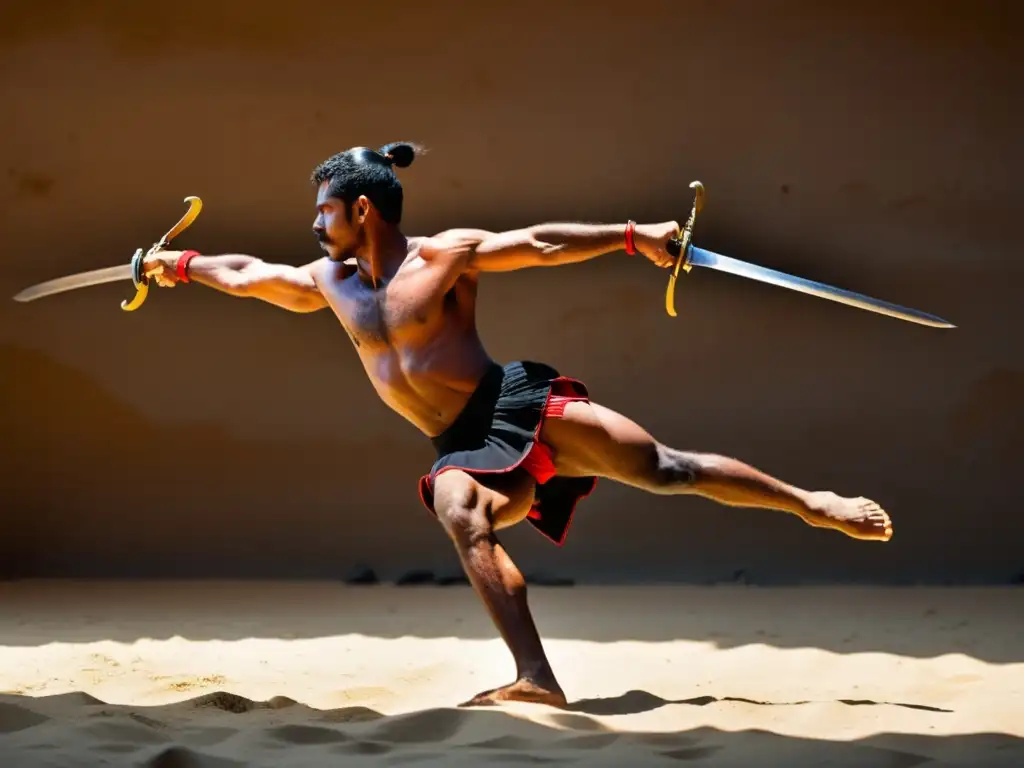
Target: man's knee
{"points": [[461, 508], [675, 471]]}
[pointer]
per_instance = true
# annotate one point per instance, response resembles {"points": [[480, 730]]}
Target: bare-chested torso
{"points": [[418, 343]]}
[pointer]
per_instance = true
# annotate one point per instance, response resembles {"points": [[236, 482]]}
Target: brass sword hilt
{"points": [[139, 277], [679, 247]]}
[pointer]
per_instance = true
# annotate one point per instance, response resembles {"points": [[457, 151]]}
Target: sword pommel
{"points": [[679, 247], [195, 205]]}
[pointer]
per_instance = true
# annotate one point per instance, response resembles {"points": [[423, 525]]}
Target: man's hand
{"points": [[160, 267], [651, 240]]}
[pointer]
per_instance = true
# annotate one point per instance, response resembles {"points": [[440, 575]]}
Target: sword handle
{"points": [[679, 247], [195, 205]]}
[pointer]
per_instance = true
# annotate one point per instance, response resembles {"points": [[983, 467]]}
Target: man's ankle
{"points": [[539, 673]]}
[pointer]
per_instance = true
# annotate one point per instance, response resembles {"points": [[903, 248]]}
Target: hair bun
{"points": [[399, 153]]}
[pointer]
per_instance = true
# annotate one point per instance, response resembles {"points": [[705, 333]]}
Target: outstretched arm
{"points": [[282, 285], [547, 245]]}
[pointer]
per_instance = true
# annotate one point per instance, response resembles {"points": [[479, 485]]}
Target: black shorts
{"points": [[498, 431]]}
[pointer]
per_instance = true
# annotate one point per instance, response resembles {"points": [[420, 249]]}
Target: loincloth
{"points": [[498, 431]]}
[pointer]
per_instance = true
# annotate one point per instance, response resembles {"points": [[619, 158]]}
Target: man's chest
{"points": [[401, 310]]}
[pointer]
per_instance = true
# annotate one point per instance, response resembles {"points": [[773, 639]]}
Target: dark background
{"points": [[874, 145]]}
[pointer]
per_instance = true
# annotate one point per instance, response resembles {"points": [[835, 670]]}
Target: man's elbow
{"points": [[238, 284], [512, 250]]}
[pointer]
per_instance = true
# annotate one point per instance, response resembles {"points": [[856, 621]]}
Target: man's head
{"points": [[358, 190]]}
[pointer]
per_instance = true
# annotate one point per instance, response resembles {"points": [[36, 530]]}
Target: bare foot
{"points": [[521, 690], [860, 518]]}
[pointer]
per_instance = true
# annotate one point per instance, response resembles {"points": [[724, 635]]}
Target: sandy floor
{"points": [[183, 675]]}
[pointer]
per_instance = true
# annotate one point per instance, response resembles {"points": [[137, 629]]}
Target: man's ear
{"points": [[362, 209]]}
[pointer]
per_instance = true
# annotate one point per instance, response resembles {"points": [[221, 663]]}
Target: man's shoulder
{"points": [[325, 269], [463, 233], [451, 242]]}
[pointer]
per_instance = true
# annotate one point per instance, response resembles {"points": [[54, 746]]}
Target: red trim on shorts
{"points": [[539, 462]]}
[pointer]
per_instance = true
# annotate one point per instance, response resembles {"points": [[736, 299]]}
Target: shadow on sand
{"points": [[223, 730], [637, 702]]}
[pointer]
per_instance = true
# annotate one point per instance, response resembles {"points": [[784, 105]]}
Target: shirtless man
{"points": [[514, 442]]}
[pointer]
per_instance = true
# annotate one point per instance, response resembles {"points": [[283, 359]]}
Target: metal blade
{"points": [[72, 282], [699, 257]]}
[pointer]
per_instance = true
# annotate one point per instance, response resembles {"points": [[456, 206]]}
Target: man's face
{"points": [[339, 235]]}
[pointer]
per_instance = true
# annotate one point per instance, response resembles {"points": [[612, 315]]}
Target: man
{"points": [[514, 442]]}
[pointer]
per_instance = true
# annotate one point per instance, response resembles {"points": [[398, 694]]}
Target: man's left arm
{"points": [[551, 245]]}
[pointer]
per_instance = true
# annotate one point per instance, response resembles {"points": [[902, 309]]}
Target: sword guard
{"points": [[679, 247], [195, 205], [141, 283]]}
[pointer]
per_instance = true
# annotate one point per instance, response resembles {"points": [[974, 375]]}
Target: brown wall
{"points": [[874, 145]]}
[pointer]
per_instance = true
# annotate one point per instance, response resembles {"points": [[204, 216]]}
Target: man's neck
{"points": [[383, 253]]}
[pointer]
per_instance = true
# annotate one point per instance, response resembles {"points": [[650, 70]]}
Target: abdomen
{"points": [[429, 383]]}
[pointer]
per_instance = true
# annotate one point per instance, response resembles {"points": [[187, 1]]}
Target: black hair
{"points": [[362, 171]]}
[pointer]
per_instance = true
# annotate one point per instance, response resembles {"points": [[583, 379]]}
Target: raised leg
{"points": [[593, 440], [470, 513]]}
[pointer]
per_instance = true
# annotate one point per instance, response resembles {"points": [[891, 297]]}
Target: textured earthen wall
{"points": [[874, 145]]}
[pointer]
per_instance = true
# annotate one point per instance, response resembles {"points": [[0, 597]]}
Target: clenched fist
{"points": [[652, 241], [161, 267]]}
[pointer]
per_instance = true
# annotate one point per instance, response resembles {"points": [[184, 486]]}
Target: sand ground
{"points": [[216, 675]]}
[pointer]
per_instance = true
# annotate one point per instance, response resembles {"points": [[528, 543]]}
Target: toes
{"points": [[480, 700]]}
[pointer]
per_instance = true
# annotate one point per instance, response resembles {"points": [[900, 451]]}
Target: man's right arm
{"points": [[283, 285]]}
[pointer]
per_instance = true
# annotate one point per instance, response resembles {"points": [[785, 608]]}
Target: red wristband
{"points": [[630, 227], [181, 269]]}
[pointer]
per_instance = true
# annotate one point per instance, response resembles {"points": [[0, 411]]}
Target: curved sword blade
{"points": [[699, 257], [72, 282]]}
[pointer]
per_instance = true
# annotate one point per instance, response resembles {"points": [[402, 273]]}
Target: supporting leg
{"points": [[593, 440], [470, 512]]}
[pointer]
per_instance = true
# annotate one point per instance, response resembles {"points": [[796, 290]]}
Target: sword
{"points": [[131, 271], [688, 256]]}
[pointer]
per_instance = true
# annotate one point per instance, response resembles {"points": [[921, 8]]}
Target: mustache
{"points": [[322, 237]]}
